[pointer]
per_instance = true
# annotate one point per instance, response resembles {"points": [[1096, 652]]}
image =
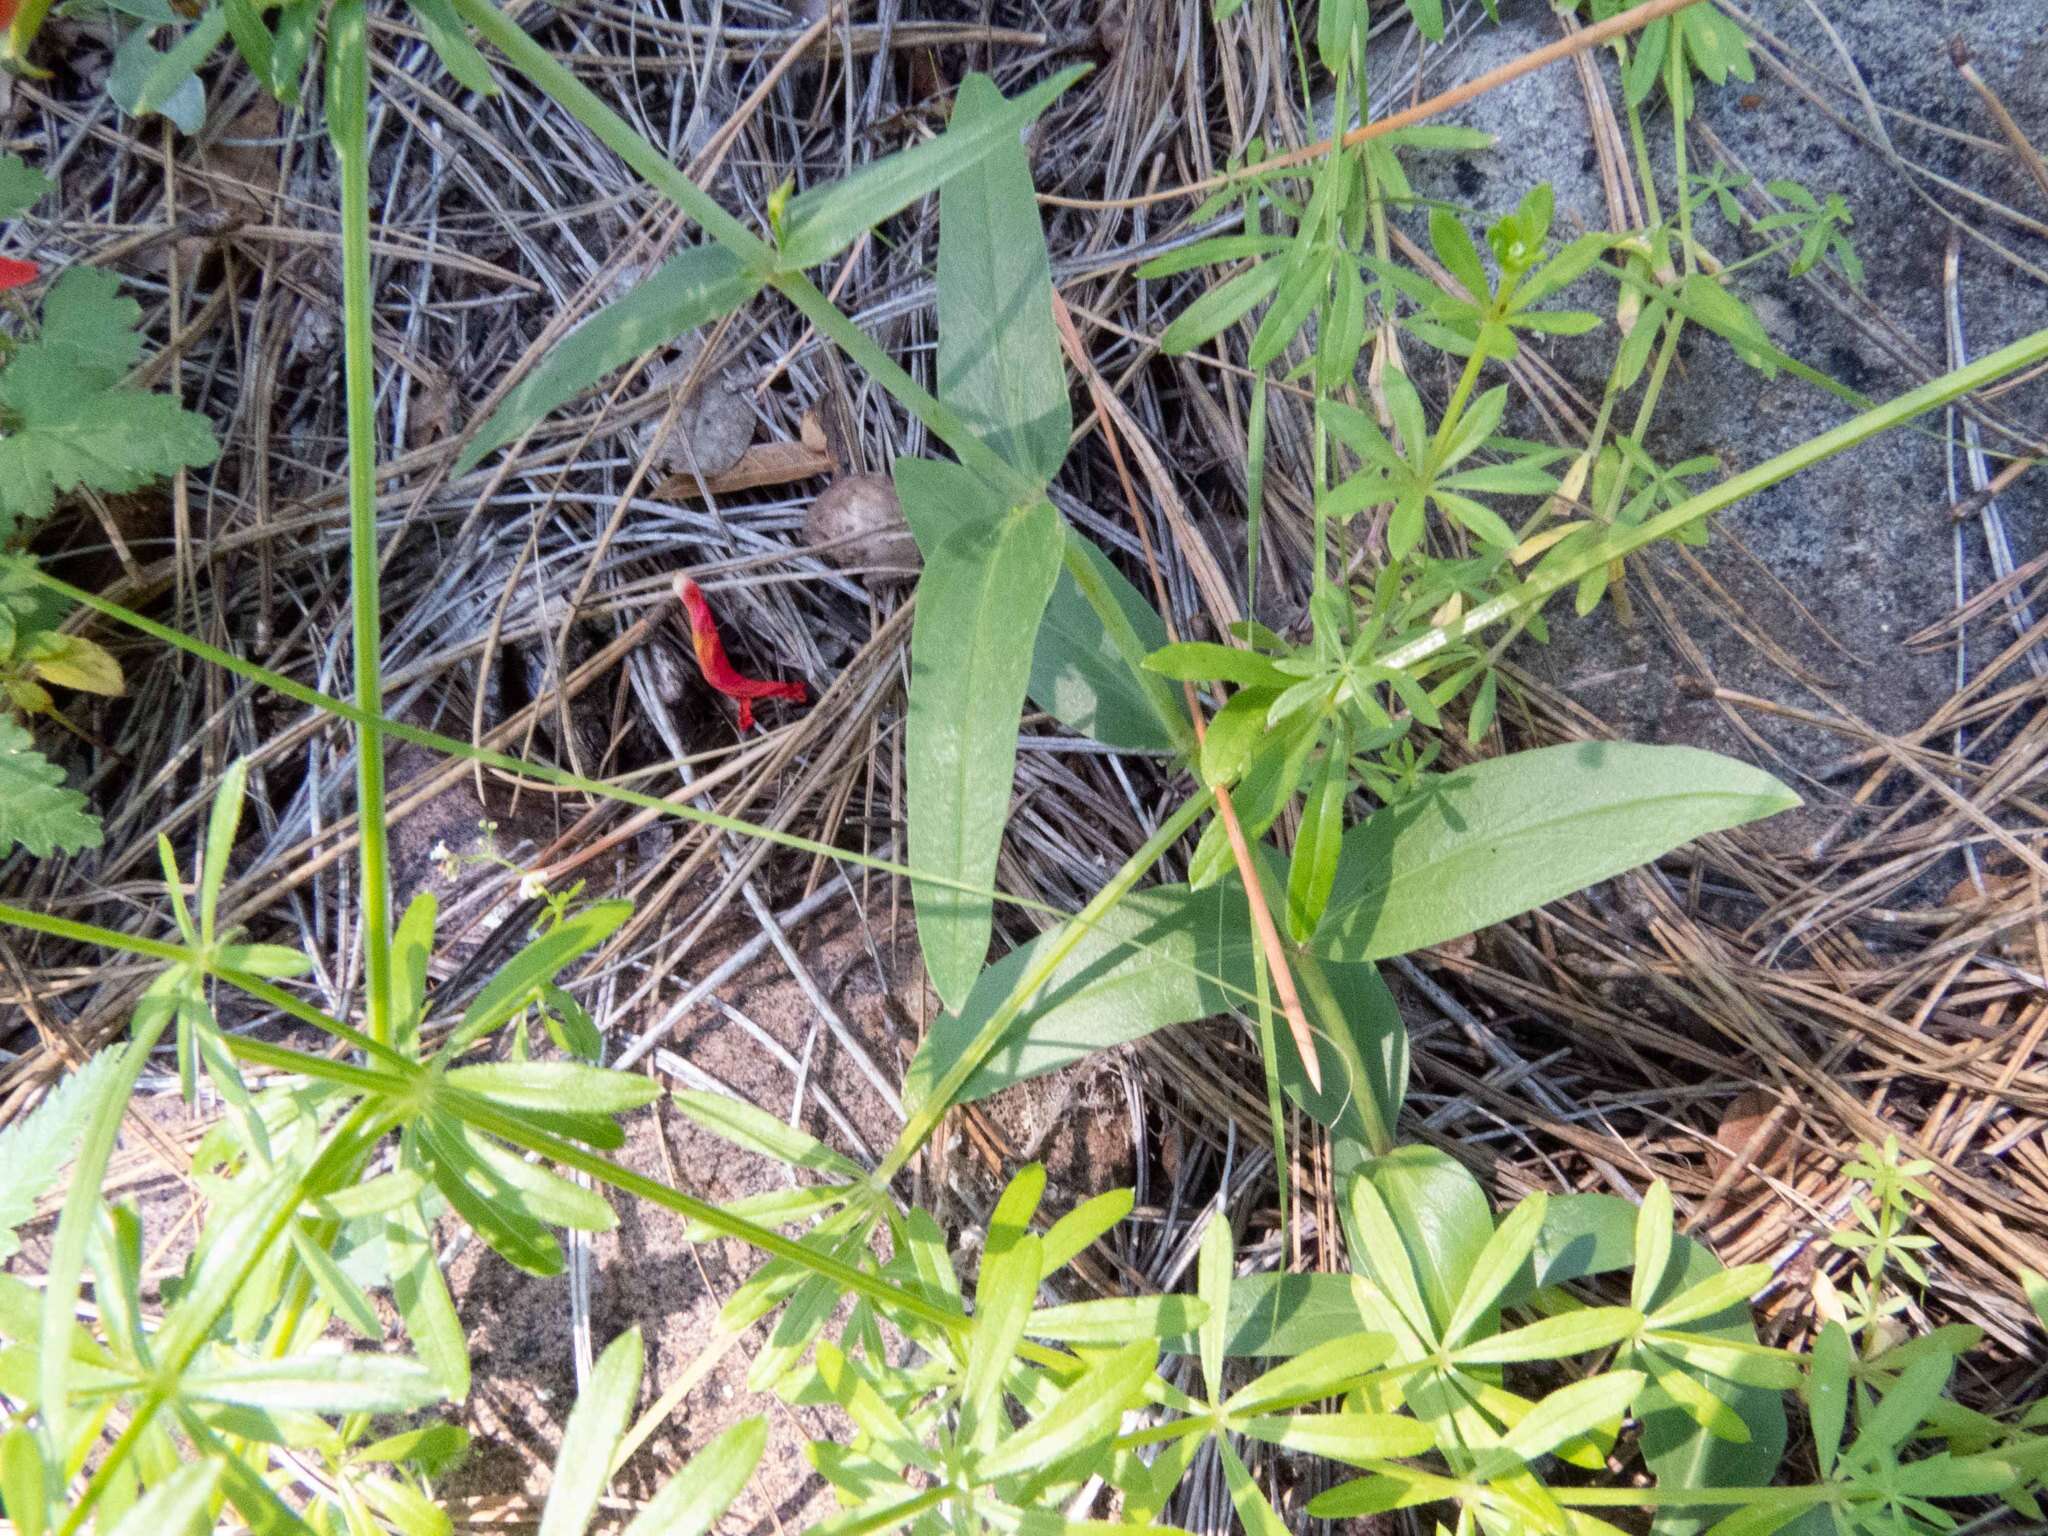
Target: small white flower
{"points": [[532, 888], [441, 853]]}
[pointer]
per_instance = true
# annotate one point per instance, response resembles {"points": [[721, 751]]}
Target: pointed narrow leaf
{"points": [[758, 1131], [584, 1465], [692, 1501], [693, 288], [1215, 1268], [999, 359], [1087, 1411], [1553, 1338], [541, 961], [176, 1507], [1082, 1225], [1496, 1265], [822, 222], [1317, 1371]]}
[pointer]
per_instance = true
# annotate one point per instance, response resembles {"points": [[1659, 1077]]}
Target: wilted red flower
{"points": [[14, 274], [718, 671]]}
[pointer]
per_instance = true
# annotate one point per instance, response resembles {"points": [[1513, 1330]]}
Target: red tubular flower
{"points": [[14, 274], [718, 671]]}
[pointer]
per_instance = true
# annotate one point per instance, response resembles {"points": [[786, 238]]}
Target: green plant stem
{"points": [[486, 1116], [364, 719], [924, 1119], [171, 1365], [348, 96], [204, 960], [1542, 585]]}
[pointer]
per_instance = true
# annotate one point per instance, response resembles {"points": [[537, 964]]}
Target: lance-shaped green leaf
{"points": [[978, 606], [538, 963], [757, 1131], [999, 360], [1153, 960], [1504, 836], [1087, 1411], [691, 289], [693, 1500], [822, 222], [1078, 674], [584, 1464]]}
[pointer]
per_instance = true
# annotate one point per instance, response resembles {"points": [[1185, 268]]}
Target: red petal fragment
{"points": [[711, 658], [16, 274]]}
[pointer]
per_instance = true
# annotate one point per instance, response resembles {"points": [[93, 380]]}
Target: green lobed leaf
{"points": [[1487, 842], [35, 1148], [999, 359], [692, 288], [821, 222], [68, 423], [21, 186], [979, 602]]}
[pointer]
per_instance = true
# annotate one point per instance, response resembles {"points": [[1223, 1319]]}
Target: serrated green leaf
{"points": [[66, 421], [35, 1148], [21, 186]]}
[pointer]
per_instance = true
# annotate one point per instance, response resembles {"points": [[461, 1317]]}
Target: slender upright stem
{"points": [[348, 127]]}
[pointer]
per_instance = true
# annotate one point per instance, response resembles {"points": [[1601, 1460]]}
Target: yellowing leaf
{"points": [[72, 661]]}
